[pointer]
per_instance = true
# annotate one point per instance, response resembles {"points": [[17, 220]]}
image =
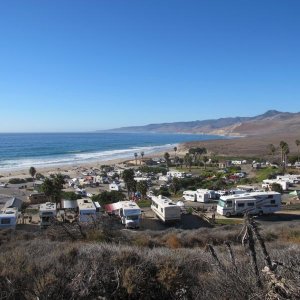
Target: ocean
{"points": [[20, 151]]}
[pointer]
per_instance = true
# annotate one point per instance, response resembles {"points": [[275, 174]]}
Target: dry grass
{"points": [[173, 264]]}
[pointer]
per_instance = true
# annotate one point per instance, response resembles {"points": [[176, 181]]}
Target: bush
{"points": [[17, 181], [108, 197], [70, 195]]}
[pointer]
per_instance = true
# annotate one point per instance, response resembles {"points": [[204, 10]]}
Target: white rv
{"points": [[267, 183], [87, 210], [9, 218], [252, 203], [190, 195], [291, 179], [128, 211], [130, 214], [197, 196], [47, 213], [176, 174], [114, 187], [165, 209]]}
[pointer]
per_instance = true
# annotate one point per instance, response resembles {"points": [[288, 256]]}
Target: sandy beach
{"points": [[72, 170]]}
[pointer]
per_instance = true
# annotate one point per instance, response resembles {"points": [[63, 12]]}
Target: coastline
{"points": [[72, 169]]}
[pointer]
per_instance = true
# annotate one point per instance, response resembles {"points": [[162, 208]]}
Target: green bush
{"points": [[108, 197], [70, 196], [16, 181]]}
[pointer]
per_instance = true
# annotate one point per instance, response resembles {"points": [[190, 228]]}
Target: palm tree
{"points": [[135, 157], [284, 152], [128, 177], [271, 149], [175, 150], [188, 159], [282, 145], [32, 172], [167, 158], [205, 160], [142, 155], [298, 144]]}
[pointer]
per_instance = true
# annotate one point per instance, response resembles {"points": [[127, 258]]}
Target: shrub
{"points": [[16, 181]]}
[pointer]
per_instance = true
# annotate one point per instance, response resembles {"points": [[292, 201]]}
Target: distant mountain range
{"points": [[271, 122]]}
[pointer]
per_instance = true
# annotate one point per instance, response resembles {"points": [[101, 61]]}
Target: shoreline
{"points": [[72, 169]]}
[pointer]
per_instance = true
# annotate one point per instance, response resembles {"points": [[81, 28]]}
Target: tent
{"points": [[295, 193]]}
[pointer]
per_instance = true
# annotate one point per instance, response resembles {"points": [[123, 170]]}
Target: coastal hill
{"points": [[254, 133], [268, 123]]}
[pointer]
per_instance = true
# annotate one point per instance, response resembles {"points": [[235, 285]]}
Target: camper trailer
{"points": [[267, 184], [197, 196], [190, 195], [253, 203], [86, 209], [47, 213], [165, 209], [8, 218]]}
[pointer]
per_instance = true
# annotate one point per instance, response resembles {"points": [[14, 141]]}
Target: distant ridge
{"points": [[272, 121]]}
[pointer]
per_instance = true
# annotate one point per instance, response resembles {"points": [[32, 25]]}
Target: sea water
{"points": [[18, 151]]}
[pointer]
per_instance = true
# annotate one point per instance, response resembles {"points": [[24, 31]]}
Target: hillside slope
{"points": [[270, 122]]}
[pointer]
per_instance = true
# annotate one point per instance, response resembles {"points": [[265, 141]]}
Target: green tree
{"points": [[175, 185], [188, 160], [108, 197], [181, 161], [297, 144], [48, 188], [276, 187], [142, 156], [205, 160], [284, 152], [142, 187], [167, 158], [271, 149], [52, 187], [32, 172], [175, 150], [128, 177]]}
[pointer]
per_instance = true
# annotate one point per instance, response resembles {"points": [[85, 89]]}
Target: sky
{"points": [[84, 65]]}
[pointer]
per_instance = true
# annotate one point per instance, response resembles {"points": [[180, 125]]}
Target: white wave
{"points": [[73, 158]]}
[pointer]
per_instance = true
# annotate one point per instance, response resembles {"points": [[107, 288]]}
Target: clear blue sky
{"points": [[97, 64]]}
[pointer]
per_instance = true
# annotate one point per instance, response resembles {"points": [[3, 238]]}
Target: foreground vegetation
{"points": [[231, 262]]}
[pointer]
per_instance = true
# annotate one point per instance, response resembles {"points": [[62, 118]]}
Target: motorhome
{"points": [[130, 214], [253, 203], [47, 214], [8, 218], [86, 209], [165, 209], [128, 211]]}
